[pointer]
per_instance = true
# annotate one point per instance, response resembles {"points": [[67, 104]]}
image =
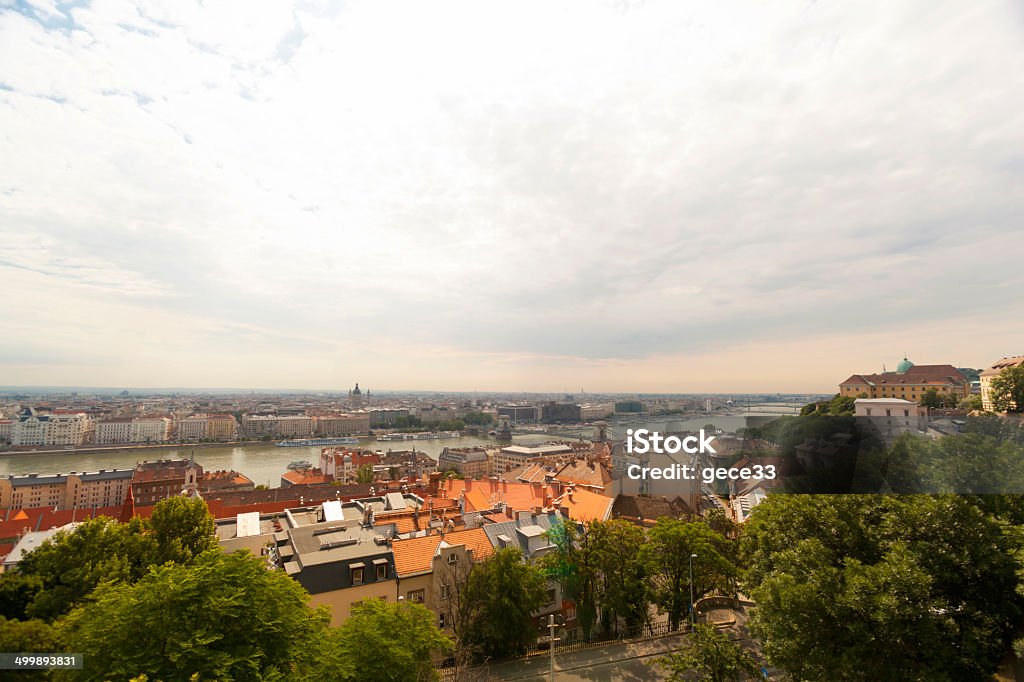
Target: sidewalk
{"points": [[606, 662]]}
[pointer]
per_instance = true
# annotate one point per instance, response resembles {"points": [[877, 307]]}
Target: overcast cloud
{"points": [[521, 195]]}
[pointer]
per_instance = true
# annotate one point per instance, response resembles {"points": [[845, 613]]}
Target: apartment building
{"points": [[219, 427], [88, 490], [114, 431], [152, 429], [57, 428], [291, 426], [471, 462], [342, 424], [994, 370]]}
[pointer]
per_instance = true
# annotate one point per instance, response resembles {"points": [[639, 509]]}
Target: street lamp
{"points": [[693, 616]]}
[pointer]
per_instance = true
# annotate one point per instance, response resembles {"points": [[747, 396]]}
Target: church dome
{"points": [[904, 366], [356, 390]]}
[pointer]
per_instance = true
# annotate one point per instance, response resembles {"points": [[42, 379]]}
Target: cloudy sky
{"points": [[620, 196]]}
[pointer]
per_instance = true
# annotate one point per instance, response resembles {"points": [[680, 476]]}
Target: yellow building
{"points": [[991, 373], [908, 382]]}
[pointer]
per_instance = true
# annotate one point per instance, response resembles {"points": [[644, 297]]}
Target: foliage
{"points": [[572, 565], [971, 403], [839, 405], [17, 591], [666, 560], [712, 655], [622, 584], [183, 528], [364, 474], [28, 636], [224, 617], [73, 563], [389, 642], [499, 597], [478, 418], [879, 587], [1008, 390]]}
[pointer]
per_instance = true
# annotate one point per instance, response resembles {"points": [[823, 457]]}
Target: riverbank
{"points": [[130, 446]]}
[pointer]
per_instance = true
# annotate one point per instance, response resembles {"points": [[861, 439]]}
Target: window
{"points": [[869, 411], [452, 558], [382, 571], [551, 597], [445, 592], [416, 596], [888, 413], [357, 576], [906, 413], [440, 621]]}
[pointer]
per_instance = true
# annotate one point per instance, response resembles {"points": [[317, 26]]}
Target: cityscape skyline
{"points": [[722, 201]]}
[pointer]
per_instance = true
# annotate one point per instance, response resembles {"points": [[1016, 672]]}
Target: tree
{"points": [[858, 586], [971, 403], [390, 642], [931, 399], [1008, 390], [183, 528], [17, 591], [571, 563], [666, 559], [73, 562], [364, 474], [622, 585], [712, 655], [499, 597], [224, 617], [28, 636]]}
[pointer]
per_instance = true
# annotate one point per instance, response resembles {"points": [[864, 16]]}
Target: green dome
{"points": [[904, 366]]}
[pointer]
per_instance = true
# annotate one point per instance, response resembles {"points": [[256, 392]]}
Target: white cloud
{"points": [[608, 182]]}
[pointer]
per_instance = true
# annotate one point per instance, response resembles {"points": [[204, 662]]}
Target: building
{"points": [[386, 416], [991, 373], [57, 428], [114, 431], [431, 569], [560, 412], [213, 483], [890, 417], [341, 464], [6, 426], [908, 382], [519, 414], [221, 427], [151, 429], [514, 456], [88, 490], [159, 480], [290, 426], [629, 407], [468, 462], [342, 424]]}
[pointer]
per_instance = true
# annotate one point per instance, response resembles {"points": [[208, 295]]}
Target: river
{"points": [[264, 463]]}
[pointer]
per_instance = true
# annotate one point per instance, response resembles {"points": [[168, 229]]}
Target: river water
{"points": [[264, 463]]}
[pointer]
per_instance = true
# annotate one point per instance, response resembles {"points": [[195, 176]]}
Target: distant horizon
{"points": [[165, 390]]}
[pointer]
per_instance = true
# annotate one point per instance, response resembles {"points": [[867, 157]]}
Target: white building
{"points": [[151, 430], [61, 429], [891, 417], [114, 431], [991, 373]]}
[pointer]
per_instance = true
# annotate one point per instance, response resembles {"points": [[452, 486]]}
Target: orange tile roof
{"points": [[584, 505], [415, 555], [306, 477]]}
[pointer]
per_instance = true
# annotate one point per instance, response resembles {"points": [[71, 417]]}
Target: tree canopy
{"points": [[1008, 390], [882, 587], [712, 655]]}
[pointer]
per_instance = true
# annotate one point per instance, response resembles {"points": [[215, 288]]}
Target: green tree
{"points": [[931, 399], [224, 617], [666, 558], [1008, 390], [183, 529], [17, 591], [712, 655], [571, 563], [622, 584], [878, 587], [498, 599], [390, 642], [841, 405], [971, 403], [364, 474], [28, 636], [72, 563]]}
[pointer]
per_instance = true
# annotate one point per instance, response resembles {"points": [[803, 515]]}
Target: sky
{"points": [[536, 196]]}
